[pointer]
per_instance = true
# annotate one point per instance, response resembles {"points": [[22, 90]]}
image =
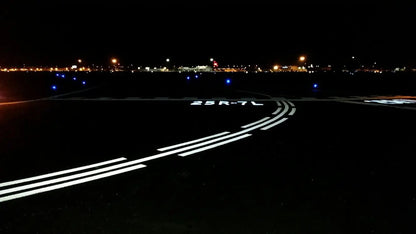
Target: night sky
{"points": [[58, 34]]}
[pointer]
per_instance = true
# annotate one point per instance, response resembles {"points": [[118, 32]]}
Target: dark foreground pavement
{"points": [[332, 167]]}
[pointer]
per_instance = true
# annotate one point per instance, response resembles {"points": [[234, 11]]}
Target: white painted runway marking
{"points": [[274, 124], [266, 123], [65, 178], [214, 145], [277, 111], [285, 109], [291, 104], [71, 183], [212, 141], [60, 172], [278, 108], [254, 123], [194, 141], [257, 104]]}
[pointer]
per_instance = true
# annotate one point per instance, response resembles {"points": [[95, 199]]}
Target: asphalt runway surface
{"points": [[104, 159]]}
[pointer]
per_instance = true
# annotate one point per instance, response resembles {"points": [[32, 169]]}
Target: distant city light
{"points": [[211, 60], [275, 67], [353, 57], [302, 58], [114, 61], [54, 87], [167, 60], [79, 60]]}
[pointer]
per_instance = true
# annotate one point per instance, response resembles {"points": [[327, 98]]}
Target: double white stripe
{"points": [[60, 172], [214, 145], [65, 178], [70, 183], [254, 123], [192, 142]]}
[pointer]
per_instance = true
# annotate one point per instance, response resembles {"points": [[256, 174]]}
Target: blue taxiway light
{"points": [[53, 87], [84, 83], [57, 74], [188, 78], [63, 75], [196, 76], [74, 78], [228, 81], [315, 85]]}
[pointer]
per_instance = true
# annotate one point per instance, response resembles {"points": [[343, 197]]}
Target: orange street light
{"points": [[302, 58], [114, 61]]}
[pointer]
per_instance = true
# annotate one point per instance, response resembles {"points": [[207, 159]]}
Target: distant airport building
{"points": [[289, 69], [196, 69]]}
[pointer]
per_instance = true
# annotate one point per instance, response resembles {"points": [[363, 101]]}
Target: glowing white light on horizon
{"points": [[392, 101]]}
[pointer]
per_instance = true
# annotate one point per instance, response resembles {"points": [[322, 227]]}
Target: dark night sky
{"points": [[191, 33]]}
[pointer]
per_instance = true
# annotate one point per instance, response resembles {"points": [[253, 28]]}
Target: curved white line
{"points": [[191, 142], [71, 183], [60, 172], [141, 160], [274, 124], [278, 108], [290, 103], [277, 111], [285, 110], [293, 111], [66, 178], [214, 145], [254, 123]]}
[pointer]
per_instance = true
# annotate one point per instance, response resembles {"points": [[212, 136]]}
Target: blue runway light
{"points": [[53, 87], [188, 78], [196, 76], [84, 82], [74, 78], [63, 75], [228, 81], [315, 85], [57, 74]]}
